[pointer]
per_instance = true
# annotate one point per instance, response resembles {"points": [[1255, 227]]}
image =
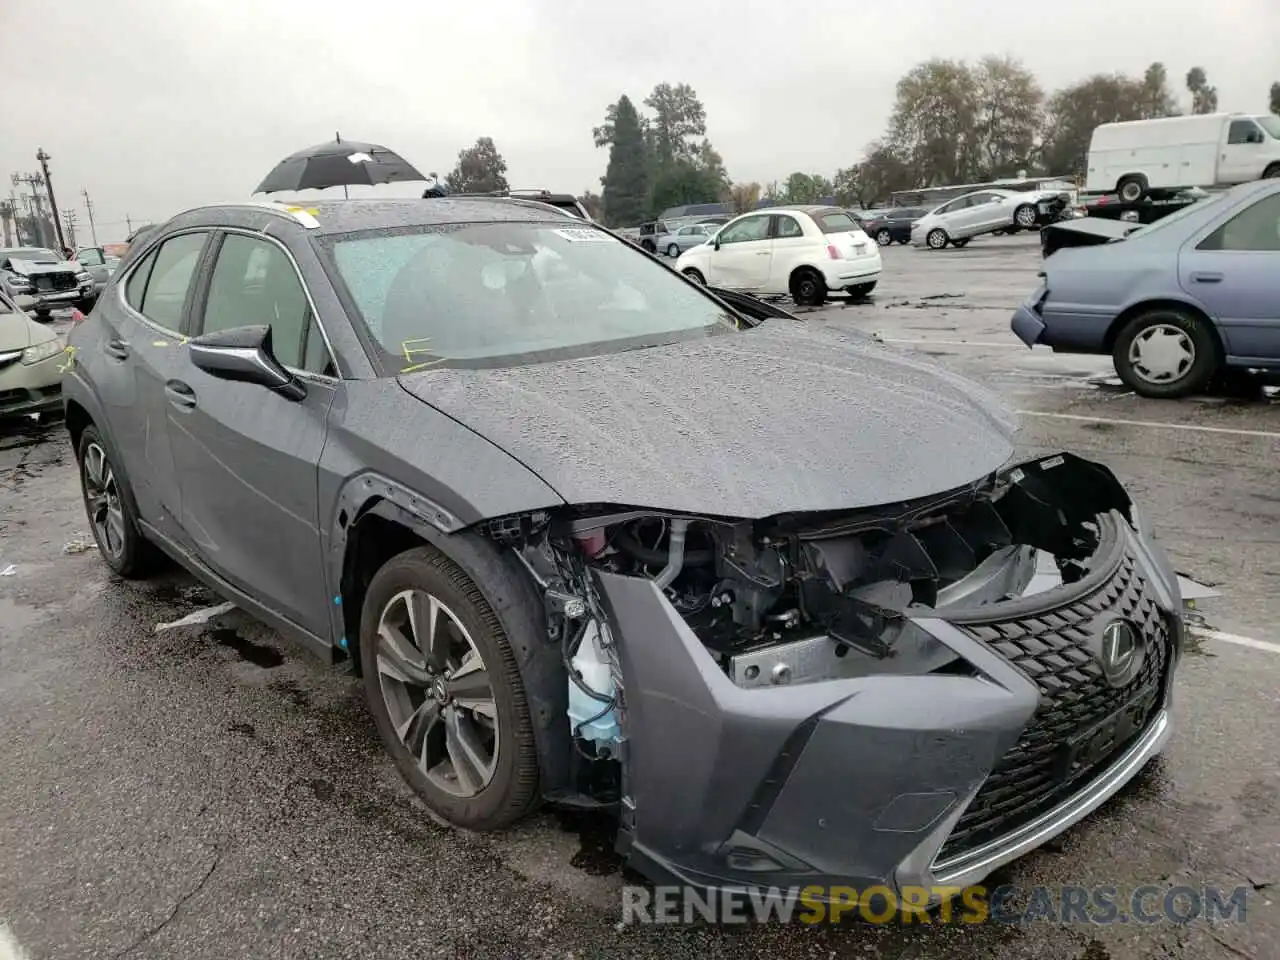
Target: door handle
{"points": [[116, 348], [180, 395], [1199, 277]]}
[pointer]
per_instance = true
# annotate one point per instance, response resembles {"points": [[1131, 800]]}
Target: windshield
{"points": [[507, 294], [1271, 124], [1190, 208], [32, 254]]}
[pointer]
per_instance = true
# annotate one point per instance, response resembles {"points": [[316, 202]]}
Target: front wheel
{"points": [[884, 237], [1165, 353], [696, 276], [808, 289], [937, 238], [1025, 216], [1272, 172], [445, 691]]}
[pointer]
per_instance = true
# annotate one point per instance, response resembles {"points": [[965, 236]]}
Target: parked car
{"points": [[689, 236], [804, 251], [958, 221], [1137, 158], [802, 557], [652, 234], [892, 225], [1174, 302], [47, 278], [31, 358], [98, 264]]}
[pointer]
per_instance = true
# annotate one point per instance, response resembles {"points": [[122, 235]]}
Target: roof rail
{"points": [[297, 212]]}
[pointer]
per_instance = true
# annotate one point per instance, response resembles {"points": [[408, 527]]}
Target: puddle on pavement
{"points": [[258, 654], [596, 834]]}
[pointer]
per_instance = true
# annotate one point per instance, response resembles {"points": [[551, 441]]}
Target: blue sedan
{"points": [[1174, 302]]}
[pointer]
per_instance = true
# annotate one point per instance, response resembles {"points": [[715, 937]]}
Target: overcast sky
{"points": [[155, 105]]}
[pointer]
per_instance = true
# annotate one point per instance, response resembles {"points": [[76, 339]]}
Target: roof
{"points": [[372, 213]]}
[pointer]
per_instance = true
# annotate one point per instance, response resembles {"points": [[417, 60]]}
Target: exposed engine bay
{"points": [[801, 598]]}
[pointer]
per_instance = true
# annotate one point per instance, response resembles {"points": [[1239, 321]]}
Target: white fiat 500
{"points": [[806, 251]]}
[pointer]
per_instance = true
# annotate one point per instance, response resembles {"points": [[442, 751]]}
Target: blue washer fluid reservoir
{"points": [[593, 668]]}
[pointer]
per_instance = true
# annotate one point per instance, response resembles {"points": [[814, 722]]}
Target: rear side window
{"points": [[1256, 228], [836, 222], [162, 294]]}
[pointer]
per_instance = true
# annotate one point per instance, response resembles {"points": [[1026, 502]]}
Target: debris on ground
{"points": [[8, 571], [197, 617], [79, 545]]}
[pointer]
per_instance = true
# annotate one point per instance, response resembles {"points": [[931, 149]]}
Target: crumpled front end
{"points": [[910, 698]]}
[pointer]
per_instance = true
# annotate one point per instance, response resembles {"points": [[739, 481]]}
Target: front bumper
{"points": [[1027, 323], [910, 781], [31, 388], [48, 300]]}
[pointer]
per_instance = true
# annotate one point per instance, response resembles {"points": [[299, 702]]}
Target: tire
{"points": [[460, 792], [884, 237], [648, 245], [808, 289], [861, 290], [961, 243], [110, 508], [1185, 330], [1024, 217], [673, 251], [905, 240], [696, 276], [84, 306], [1132, 189], [1272, 172], [937, 239], [43, 316]]}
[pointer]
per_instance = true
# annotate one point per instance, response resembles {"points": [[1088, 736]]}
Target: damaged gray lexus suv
{"points": [[593, 535]]}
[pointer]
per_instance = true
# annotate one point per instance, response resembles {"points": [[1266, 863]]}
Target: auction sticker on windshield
{"points": [[585, 236]]}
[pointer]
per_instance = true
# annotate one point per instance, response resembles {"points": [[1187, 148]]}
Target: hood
{"points": [[775, 419], [18, 331], [29, 268]]}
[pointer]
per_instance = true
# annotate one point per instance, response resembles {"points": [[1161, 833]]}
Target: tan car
{"points": [[31, 358]]}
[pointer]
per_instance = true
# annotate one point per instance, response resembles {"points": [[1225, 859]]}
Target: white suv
{"points": [[806, 251]]}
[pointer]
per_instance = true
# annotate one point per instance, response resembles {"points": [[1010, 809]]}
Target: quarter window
{"points": [[158, 288], [1256, 228], [254, 282], [750, 228]]}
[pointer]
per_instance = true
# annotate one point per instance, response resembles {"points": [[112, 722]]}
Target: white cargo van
{"points": [[1144, 157]]}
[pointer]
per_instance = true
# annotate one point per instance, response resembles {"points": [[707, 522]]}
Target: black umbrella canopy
{"points": [[338, 163]]}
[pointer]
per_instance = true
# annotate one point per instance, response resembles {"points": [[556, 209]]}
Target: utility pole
{"points": [[44, 159], [8, 213], [128, 225], [35, 207], [88, 205], [69, 218]]}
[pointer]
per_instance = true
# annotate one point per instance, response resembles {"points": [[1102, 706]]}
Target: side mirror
{"points": [[244, 355], [715, 241], [24, 302]]}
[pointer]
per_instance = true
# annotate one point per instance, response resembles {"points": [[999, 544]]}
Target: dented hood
{"points": [[33, 268], [774, 419]]}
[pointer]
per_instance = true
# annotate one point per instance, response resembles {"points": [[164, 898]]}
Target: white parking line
{"points": [[10, 949], [956, 343], [1195, 428], [1238, 640]]}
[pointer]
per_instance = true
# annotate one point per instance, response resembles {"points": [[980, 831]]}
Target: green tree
{"points": [[806, 188], [934, 122], [1275, 98], [881, 173], [1075, 111], [1204, 98], [683, 183], [480, 169], [1010, 111], [679, 120], [626, 180], [845, 185], [1155, 98]]}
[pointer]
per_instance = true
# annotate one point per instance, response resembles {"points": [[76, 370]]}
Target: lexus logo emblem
{"points": [[1119, 650]]}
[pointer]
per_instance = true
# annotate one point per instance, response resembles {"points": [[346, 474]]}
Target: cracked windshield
{"points": [[566, 481]]}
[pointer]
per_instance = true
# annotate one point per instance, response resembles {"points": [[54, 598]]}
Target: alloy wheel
{"points": [[884, 238], [1162, 354], [438, 693], [102, 497], [1025, 217], [937, 239]]}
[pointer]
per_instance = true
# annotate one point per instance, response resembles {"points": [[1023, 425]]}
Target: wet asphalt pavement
{"points": [[212, 792]]}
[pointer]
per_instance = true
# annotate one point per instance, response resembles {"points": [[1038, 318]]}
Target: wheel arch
{"points": [[800, 268], [1167, 303], [370, 532]]}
